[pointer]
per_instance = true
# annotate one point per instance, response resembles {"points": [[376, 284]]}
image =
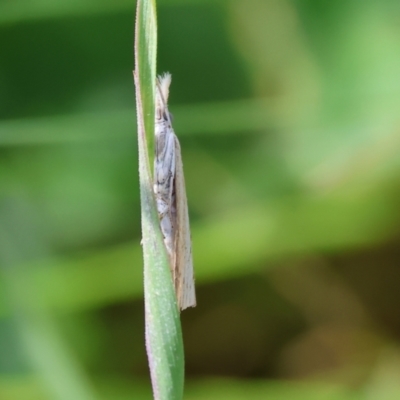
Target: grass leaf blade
{"points": [[163, 331]]}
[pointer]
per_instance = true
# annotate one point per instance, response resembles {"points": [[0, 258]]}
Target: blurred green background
{"points": [[288, 116]]}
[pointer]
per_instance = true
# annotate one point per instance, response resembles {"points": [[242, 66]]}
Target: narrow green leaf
{"points": [[163, 332]]}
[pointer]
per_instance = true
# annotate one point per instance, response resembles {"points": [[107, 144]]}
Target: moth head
{"points": [[163, 83]]}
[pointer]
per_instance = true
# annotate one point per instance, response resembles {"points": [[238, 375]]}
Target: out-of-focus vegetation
{"points": [[287, 112]]}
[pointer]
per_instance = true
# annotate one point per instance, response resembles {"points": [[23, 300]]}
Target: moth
{"points": [[170, 194]]}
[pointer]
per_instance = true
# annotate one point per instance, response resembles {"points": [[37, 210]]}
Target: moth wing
{"points": [[184, 275]]}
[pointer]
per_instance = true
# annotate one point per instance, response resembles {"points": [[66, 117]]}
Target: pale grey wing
{"points": [[184, 275]]}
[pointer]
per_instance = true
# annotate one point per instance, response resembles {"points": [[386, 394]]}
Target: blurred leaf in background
{"points": [[287, 113]]}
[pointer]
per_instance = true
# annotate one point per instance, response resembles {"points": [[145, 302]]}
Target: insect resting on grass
{"points": [[170, 193]]}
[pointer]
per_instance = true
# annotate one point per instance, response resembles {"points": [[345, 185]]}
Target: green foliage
{"points": [[163, 330], [287, 113]]}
